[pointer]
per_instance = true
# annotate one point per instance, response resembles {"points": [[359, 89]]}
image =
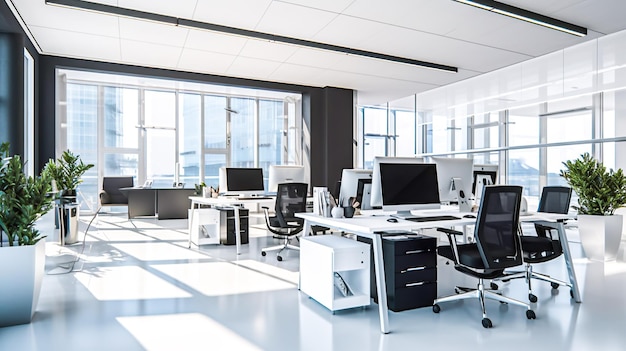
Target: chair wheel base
{"points": [[487, 323]]}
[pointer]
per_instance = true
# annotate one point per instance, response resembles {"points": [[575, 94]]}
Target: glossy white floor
{"points": [[138, 287]]}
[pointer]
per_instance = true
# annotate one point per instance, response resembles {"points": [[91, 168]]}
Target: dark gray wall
{"points": [[13, 40], [12, 90]]}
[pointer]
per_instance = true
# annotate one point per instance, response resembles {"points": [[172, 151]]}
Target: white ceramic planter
{"points": [[600, 236], [21, 272]]}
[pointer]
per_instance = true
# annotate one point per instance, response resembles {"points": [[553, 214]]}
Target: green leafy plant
{"points": [[600, 191], [23, 200], [199, 188], [67, 170]]}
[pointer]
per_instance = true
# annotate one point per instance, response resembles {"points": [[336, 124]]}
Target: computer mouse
{"points": [[392, 220], [469, 216]]}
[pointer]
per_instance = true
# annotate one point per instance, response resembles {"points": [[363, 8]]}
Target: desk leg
{"points": [[381, 286], [568, 261], [308, 228], [237, 229], [193, 208]]}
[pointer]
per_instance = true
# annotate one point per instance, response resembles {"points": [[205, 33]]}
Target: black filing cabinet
{"points": [[410, 271], [227, 226]]}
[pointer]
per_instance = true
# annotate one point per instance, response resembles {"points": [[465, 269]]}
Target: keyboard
{"points": [[432, 218]]}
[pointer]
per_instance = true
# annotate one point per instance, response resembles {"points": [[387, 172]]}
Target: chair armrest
{"points": [[449, 231]]}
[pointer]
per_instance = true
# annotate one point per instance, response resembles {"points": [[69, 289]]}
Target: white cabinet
{"points": [[206, 226], [323, 256]]}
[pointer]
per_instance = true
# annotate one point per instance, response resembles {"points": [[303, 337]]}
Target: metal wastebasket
{"points": [[68, 228]]}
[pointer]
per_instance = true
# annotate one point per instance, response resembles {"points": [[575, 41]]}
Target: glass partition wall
{"points": [[527, 118], [170, 132]]}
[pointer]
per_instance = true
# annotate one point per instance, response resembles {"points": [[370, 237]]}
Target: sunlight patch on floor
{"points": [[127, 283], [233, 279], [188, 331]]}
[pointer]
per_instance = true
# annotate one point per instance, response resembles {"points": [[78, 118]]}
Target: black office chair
{"points": [[110, 195], [545, 246], [496, 247], [290, 199]]}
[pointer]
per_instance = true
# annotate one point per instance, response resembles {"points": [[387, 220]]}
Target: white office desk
{"points": [[231, 202], [368, 226]]}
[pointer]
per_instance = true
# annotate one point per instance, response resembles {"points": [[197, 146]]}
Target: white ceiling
{"points": [[439, 31]]}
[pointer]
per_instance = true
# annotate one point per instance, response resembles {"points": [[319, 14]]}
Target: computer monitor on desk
{"points": [[454, 175], [483, 175], [409, 186], [350, 184], [376, 200], [284, 174], [241, 181]]}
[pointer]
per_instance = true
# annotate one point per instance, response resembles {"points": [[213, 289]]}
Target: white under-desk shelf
{"points": [[323, 256]]}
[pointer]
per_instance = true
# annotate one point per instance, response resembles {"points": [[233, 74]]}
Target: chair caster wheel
{"points": [[494, 286], [487, 323], [554, 285], [436, 308], [571, 293], [532, 298], [279, 258], [263, 253], [530, 314]]}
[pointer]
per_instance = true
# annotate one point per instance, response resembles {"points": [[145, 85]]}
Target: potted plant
{"points": [[600, 192], [23, 200], [67, 171]]}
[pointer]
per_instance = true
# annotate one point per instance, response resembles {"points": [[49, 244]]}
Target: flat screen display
{"points": [[244, 180], [409, 186]]}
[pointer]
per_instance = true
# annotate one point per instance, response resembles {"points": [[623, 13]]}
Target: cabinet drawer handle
{"points": [[413, 269], [414, 252], [415, 284]]}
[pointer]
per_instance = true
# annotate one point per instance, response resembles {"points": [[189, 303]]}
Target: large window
{"points": [[159, 131]]}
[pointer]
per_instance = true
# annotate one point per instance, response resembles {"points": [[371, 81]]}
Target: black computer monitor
{"points": [[241, 181], [376, 200], [409, 186]]}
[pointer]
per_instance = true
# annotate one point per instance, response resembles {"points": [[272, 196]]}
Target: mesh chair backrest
{"points": [[112, 185], [555, 199], [290, 199], [496, 230]]}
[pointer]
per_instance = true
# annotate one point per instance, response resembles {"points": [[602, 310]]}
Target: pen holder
{"points": [[348, 212], [337, 212]]}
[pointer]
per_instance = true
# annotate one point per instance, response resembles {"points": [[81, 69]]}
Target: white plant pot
{"points": [[600, 236], [21, 270]]}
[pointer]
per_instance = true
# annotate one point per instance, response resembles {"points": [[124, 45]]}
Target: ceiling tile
{"points": [[267, 50], [37, 13], [336, 6], [252, 68], [151, 32], [78, 45], [178, 8], [293, 20], [231, 12], [215, 42], [151, 55], [204, 61]]}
